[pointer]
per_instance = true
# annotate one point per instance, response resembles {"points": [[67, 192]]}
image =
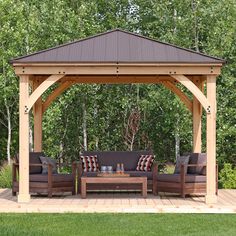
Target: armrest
{"points": [[154, 165], [154, 177], [155, 168], [79, 169], [73, 167], [15, 166], [184, 166], [183, 172], [195, 165]]}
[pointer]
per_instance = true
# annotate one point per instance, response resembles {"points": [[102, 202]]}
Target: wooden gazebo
{"points": [[117, 57]]}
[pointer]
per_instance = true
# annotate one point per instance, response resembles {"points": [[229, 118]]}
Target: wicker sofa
{"points": [[111, 158], [44, 183], [190, 180]]}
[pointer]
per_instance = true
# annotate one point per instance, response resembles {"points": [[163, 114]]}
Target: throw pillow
{"points": [[145, 163], [181, 160], [89, 163], [197, 159], [45, 161]]}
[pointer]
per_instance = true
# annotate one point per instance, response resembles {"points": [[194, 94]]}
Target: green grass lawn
{"points": [[118, 224]]}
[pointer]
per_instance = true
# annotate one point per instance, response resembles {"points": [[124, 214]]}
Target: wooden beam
{"points": [[183, 97], [118, 69], [38, 117], [59, 90], [112, 79], [53, 64], [115, 79], [211, 142], [197, 119], [194, 90], [40, 90], [24, 195]]}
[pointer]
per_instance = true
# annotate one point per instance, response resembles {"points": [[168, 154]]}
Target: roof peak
{"points": [[43, 55]]}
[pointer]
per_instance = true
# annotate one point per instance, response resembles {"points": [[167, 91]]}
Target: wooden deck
{"points": [[119, 202]]}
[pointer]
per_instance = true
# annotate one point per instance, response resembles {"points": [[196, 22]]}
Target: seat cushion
{"points": [[111, 158], [148, 174], [175, 178], [197, 158], [55, 178]]}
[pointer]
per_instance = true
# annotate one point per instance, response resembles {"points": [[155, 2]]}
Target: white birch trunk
{"points": [[85, 126], [31, 139], [8, 134], [196, 34], [177, 140], [132, 142], [177, 145]]}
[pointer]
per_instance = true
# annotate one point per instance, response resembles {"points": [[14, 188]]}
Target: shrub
{"points": [[227, 176], [6, 176], [169, 169]]}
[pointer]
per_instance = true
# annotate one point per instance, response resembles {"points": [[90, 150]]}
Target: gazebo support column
{"points": [[38, 115], [197, 121], [211, 141], [24, 195]]}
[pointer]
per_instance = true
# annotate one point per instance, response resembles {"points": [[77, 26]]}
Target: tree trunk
{"points": [[177, 145], [8, 134], [31, 138], [96, 143], [177, 140], [175, 20], [85, 126], [132, 142], [196, 34]]}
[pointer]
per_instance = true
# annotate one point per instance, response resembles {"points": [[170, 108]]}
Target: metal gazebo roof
{"points": [[118, 46]]}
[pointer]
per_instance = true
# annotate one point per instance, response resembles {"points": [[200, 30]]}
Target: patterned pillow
{"points": [[89, 163], [145, 163]]}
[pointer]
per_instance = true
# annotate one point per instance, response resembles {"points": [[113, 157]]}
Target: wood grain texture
{"points": [[111, 180]]}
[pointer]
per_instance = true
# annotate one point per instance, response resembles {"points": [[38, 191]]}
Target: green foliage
{"points": [[6, 176], [227, 176]]}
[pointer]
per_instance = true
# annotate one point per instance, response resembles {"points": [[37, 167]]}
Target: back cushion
{"points": [[34, 158], [111, 158], [197, 158], [181, 160]]}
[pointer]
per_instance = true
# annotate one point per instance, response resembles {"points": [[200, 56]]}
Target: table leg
{"points": [[83, 188], [144, 188]]}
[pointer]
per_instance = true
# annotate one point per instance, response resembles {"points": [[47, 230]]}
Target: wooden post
{"points": [[38, 116], [197, 120], [24, 195], [211, 141]]}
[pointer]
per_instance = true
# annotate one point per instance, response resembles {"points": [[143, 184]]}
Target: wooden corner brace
{"points": [[40, 90], [183, 97], [194, 90], [59, 90]]}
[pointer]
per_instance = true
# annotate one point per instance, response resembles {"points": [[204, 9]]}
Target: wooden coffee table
{"points": [[113, 180]]}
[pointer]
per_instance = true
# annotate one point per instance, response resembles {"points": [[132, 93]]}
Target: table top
{"points": [[127, 179]]}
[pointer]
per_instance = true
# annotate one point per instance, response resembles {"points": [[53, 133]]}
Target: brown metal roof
{"points": [[117, 46]]}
